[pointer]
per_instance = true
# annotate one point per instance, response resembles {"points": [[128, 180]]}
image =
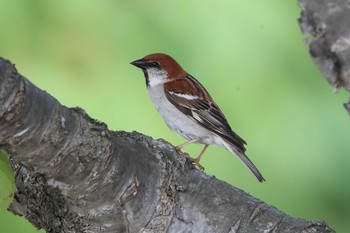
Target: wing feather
{"points": [[199, 105]]}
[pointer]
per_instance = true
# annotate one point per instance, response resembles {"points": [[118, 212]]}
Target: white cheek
{"points": [[156, 77]]}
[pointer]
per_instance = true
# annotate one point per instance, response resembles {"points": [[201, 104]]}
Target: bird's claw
{"points": [[192, 160], [200, 167]]}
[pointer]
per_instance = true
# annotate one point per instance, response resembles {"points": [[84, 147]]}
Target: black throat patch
{"points": [[146, 77]]}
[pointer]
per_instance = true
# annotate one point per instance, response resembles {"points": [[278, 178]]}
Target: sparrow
{"points": [[187, 108]]}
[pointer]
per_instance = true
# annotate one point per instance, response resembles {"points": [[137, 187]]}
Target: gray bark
{"points": [[328, 24], [75, 175]]}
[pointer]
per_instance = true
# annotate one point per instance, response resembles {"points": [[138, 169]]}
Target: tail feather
{"points": [[243, 157]]}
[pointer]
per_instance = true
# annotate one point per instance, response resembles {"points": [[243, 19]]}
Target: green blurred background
{"points": [[249, 55]]}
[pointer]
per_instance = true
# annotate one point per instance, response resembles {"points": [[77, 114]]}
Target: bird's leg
{"points": [[179, 147], [196, 160]]}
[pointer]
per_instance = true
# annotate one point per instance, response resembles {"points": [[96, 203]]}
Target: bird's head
{"points": [[159, 68]]}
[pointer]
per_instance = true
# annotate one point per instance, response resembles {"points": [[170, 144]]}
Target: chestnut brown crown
{"points": [[160, 61]]}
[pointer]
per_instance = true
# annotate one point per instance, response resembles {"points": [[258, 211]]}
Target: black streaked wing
{"points": [[205, 112]]}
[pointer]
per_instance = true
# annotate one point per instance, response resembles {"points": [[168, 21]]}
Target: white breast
{"points": [[178, 121]]}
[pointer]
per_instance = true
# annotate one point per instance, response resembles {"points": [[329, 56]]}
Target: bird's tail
{"points": [[242, 156]]}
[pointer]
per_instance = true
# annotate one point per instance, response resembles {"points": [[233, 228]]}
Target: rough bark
{"points": [[74, 175], [328, 24]]}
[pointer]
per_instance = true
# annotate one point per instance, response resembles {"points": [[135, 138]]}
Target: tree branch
{"points": [[74, 175], [327, 22]]}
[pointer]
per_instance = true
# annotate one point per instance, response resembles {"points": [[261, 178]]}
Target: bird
{"points": [[188, 109]]}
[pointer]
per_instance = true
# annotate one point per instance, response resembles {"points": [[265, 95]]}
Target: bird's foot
{"points": [[192, 160], [200, 167]]}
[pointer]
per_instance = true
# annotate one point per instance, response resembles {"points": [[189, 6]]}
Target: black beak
{"points": [[141, 63]]}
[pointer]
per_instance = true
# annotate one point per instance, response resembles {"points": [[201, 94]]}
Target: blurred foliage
{"points": [[249, 55], [7, 182]]}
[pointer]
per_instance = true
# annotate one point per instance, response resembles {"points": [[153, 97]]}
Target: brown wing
{"points": [[200, 106]]}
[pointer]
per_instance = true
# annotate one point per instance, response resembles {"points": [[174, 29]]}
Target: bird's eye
{"points": [[154, 64]]}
